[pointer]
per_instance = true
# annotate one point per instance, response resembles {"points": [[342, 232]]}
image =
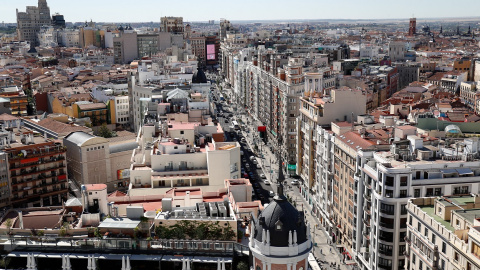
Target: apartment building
{"points": [[319, 110], [443, 233], [414, 167], [37, 169], [164, 161]]}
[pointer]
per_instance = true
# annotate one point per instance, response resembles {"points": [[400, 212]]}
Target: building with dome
{"points": [[280, 239], [199, 76]]}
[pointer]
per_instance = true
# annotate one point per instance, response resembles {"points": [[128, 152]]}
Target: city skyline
{"points": [[317, 10]]}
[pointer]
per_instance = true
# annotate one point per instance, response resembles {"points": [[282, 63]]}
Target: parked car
{"points": [[266, 182], [258, 166], [263, 176], [255, 161], [271, 193], [295, 182]]}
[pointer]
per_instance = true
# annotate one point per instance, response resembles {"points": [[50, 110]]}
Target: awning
{"points": [[448, 171], [119, 223], [292, 167], [464, 171]]}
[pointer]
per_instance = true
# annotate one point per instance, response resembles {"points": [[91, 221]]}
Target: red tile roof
{"points": [[96, 186]]}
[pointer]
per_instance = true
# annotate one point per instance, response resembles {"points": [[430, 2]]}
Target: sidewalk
{"points": [[324, 252]]}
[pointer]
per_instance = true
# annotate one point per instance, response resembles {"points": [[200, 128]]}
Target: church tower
{"points": [[412, 29]]}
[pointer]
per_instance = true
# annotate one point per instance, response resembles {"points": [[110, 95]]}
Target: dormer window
{"points": [[278, 225]]}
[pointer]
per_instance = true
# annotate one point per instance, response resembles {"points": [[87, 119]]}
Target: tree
{"points": [[103, 131], [242, 265], [8, 223]]}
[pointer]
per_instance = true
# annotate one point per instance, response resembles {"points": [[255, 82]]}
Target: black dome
{"points": [[199, 77], [290, 219]]}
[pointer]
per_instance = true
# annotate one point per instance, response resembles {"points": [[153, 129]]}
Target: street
{"points": [[324, 251]]}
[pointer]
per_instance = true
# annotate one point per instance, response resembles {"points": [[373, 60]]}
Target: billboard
{"points": [[210, 51], [122, 174]]}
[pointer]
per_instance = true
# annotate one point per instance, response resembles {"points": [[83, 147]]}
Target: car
{"points": [[226, 121], [261, 197], [258, 166], [295, 182], [271, 193], [230, 115], [247, 166], [258, 191], [252, 158], [263, 176], [266, 182], [256, 185], [255, 161], [244, 160]]}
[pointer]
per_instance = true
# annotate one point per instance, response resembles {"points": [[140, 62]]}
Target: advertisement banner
{"points": [[122, 174], [210, 51]]}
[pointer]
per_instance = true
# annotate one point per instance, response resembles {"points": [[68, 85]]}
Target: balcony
{"points": [[42, 184], [34, 170], [39, 152], [385, 252], [367, 210], [367, 197], [53, 191], [366, 222], [386, 225], [52, 159]]}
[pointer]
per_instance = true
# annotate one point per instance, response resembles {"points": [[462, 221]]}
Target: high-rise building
{"points": [[29, 22], [412, 28], [225, 28]]}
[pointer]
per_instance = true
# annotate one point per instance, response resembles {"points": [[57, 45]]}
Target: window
{"points": [[444, 248], [403, 193], [416, 193], [403, 180], [460, 190], [419, 227], [456, 257], [387, 209], [182, 132], [426, 232], [433, 238], [414, 258], [420, 265], [439, 211], [390, 181]]}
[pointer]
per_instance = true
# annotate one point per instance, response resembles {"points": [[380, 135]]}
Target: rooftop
{"points": [[430, 210]]}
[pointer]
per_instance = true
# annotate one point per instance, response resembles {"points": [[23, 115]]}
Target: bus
{"points": [[235, 125]]}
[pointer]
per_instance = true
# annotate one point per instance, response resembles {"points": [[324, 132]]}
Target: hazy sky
{"points": [[203, 10]]}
